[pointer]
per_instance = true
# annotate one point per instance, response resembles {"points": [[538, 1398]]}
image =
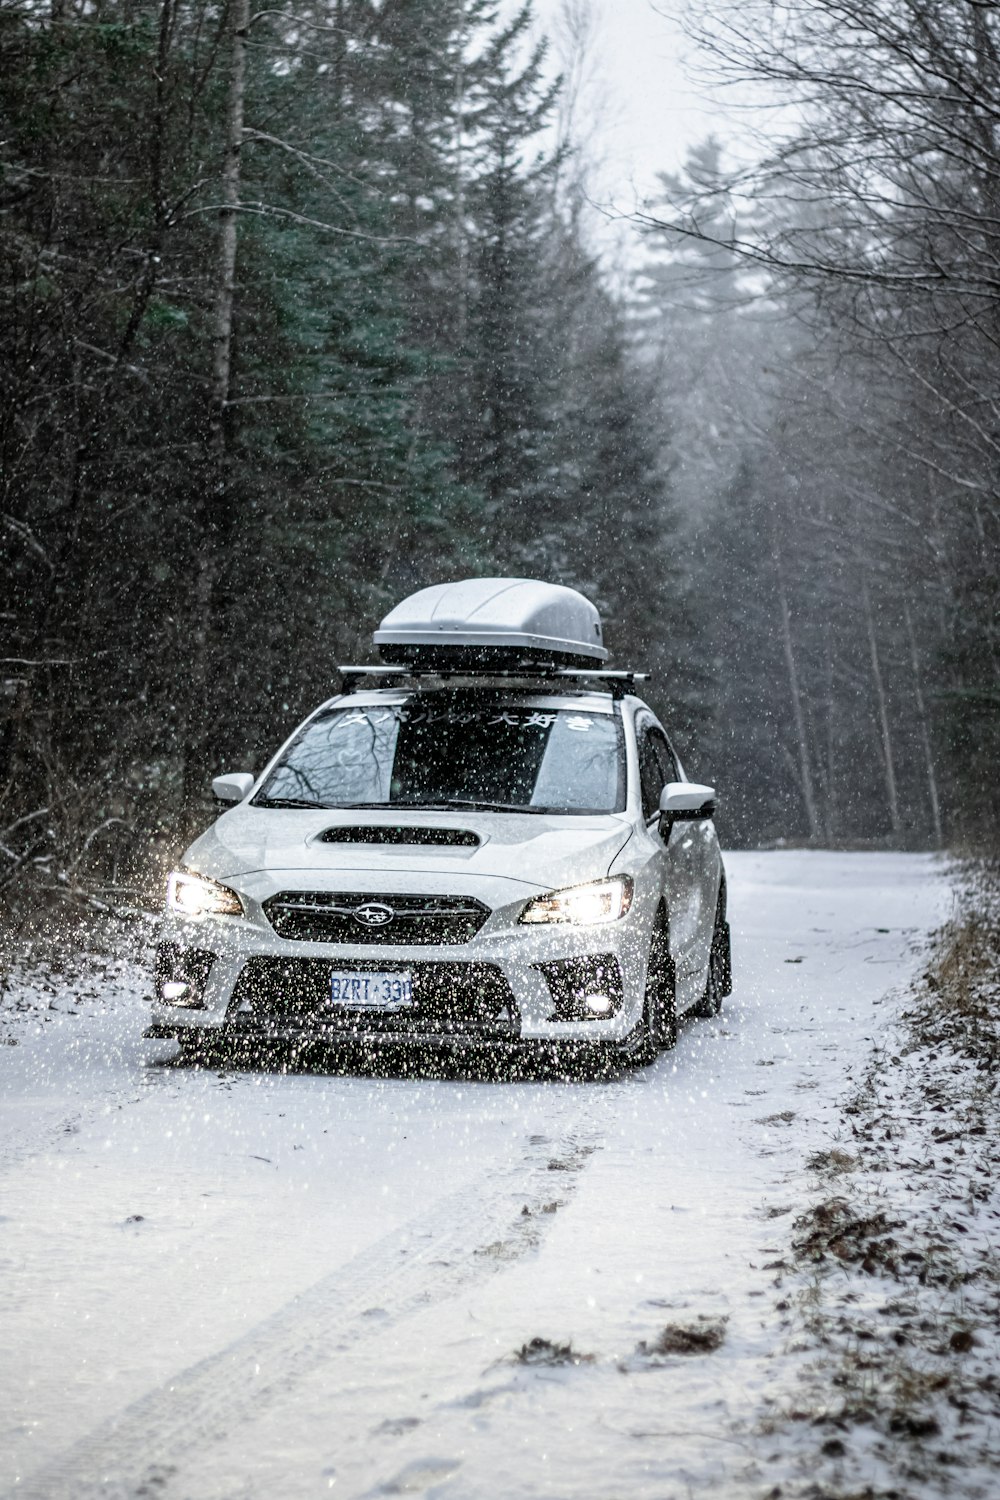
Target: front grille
{"points": [[449, 999], [386, 833], [330, 917]]}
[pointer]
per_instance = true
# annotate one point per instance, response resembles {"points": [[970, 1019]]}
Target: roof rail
{"points": [[619, 682]]}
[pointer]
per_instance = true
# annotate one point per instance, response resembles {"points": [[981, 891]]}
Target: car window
{"points": [[460, 751], [669, 769], [651, 779]]}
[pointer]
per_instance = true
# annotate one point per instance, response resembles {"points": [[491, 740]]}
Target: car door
{"points": [[690, 858]]}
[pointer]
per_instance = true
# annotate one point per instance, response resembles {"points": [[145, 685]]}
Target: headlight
{"points": [[197, 896], [585, 905]]}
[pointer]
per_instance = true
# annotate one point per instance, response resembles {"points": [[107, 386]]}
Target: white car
{"points": [[475, 847]]}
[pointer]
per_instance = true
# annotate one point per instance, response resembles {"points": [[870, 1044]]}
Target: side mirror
{"points": [[232, 788], [685, 801]]}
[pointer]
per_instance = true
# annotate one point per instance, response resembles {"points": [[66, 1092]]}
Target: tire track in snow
{"points": [[52, 1129], [462, 1238], [45, 1134]]}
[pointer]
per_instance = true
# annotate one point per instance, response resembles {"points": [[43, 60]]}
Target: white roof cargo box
{"points": [[484, 622]]}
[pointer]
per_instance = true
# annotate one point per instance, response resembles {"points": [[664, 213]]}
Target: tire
{"points": [[719, 982], [201, 1048], [192, 1047], [658, 1027]]}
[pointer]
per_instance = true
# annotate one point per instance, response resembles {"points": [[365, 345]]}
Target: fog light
{"points": [[181, 974], [598, 1005], [584, 989]]}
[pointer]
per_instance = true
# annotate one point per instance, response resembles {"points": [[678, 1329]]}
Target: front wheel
{"points": [[192, 1047], [658, 1027]]}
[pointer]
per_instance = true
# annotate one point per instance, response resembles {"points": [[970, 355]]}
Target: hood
{"points": [[538, 851]]}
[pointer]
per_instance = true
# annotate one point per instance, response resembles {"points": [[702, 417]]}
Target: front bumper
{"points": [[504, 987]]}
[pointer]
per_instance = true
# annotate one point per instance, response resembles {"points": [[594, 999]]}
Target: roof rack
{"points": [[619, 682]]}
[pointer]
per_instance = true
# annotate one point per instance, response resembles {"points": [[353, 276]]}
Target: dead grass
{"points": [[834, 1228], [832, 1162], [959, 1003], [539, 1351], [701, 1337], [913, 1201]]}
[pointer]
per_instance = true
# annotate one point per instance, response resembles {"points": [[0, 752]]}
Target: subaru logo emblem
{"points": [[373, 914]]}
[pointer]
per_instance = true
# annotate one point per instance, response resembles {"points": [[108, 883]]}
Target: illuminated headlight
{"points": [[197, 896], [583, 905]]}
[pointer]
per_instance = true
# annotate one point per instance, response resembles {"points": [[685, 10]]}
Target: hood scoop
{"points": [[404, 835]]}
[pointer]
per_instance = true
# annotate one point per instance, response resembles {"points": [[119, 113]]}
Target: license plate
{"points": [[371, 991]]}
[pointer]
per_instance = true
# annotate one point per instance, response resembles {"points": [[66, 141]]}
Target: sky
{"points": [[643, 111]]}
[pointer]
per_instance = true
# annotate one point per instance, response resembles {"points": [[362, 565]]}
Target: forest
{"points": [[301, 308]]}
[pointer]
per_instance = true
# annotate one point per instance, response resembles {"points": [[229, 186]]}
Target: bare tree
{"points": [[877, 213], [211, 520]]}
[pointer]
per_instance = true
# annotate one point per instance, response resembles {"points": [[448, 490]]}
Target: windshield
{"points": [[494, 755]]}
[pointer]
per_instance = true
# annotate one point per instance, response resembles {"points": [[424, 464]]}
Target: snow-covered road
{"points": [[219, 1285]]}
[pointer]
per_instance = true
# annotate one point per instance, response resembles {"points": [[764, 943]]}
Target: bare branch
{"points": [[271, 211]]}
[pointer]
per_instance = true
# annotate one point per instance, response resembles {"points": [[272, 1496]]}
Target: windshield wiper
{"points": [[287, 802], [446, 804], [436, 806], [477, 806], [439, 804], [362, 806]]}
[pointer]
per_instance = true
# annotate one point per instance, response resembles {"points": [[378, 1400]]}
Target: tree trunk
{"points": [[460, 227], [830, 801], [883, 713], [925, 733], [805, 768], [226, 262], [216, 496]]}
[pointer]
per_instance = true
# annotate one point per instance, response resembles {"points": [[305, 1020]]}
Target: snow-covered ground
{"points": [[219, 1285]]}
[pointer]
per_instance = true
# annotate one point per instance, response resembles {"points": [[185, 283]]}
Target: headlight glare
{"points": [[197, 896], [588, 905]]}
